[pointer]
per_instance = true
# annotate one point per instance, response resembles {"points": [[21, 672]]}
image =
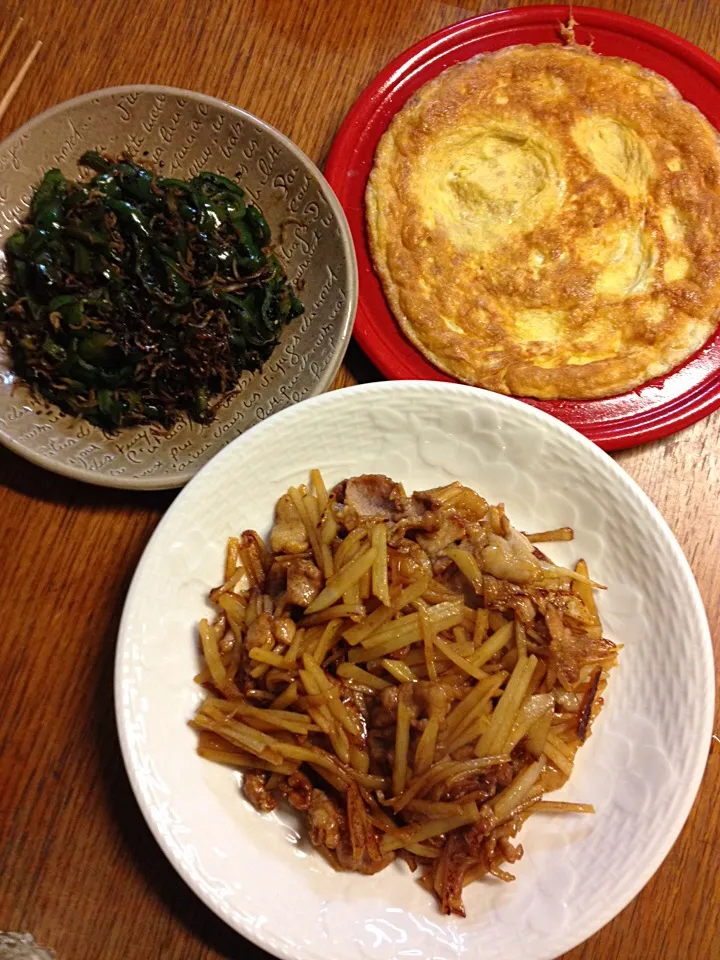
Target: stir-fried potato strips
{"points": [[410, 672]]}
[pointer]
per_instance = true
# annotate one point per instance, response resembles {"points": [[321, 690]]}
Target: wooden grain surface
{"points": [[78, 867]]}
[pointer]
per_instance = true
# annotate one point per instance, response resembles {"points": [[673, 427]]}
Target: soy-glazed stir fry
{"points": [[136, 298], [411, 672]]}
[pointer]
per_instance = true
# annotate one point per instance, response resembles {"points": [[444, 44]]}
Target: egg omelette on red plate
{"points": [[545, 222]]}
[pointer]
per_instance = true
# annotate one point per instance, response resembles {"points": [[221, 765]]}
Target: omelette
{"points": [[545, 223]]}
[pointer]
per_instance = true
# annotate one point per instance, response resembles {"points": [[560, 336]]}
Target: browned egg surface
{"points": [[544, 223]]}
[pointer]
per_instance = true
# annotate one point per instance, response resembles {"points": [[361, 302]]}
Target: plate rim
{"points": [[621, 431], [348, 320], [691, 785]]}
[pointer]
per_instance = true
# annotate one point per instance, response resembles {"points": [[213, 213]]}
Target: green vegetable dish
{"points": [[135, 297]]}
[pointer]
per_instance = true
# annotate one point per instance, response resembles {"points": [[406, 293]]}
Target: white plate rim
{"points": [[692, 784]]}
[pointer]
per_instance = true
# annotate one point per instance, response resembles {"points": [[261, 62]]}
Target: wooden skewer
{"points": [[13, 88], [11, 36]]}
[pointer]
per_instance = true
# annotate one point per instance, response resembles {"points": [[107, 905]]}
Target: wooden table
{"points": [[78, 867]]}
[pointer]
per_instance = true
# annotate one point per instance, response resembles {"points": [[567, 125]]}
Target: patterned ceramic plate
{"points": [[641, 768], [182, 133]]}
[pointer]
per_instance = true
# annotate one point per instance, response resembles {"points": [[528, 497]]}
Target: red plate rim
{"points": [[652, 411]]}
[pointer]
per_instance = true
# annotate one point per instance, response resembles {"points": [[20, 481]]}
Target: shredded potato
{"points": [[410, 672]]}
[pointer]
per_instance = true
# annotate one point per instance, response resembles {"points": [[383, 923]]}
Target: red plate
{"points": [[659, 407]]}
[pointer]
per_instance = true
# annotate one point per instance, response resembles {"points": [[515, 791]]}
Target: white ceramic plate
{"points": [[641, 768]]}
